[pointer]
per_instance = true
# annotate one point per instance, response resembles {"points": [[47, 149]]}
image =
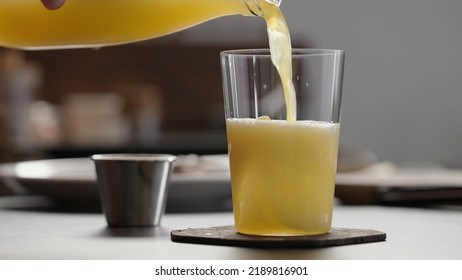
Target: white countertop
{"points": [[30, 229]]}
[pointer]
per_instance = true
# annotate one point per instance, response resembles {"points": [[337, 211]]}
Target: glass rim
{"points": [[133, 157], [296, 52]]}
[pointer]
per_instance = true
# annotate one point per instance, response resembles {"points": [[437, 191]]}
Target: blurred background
{"points": [[401, 98]]}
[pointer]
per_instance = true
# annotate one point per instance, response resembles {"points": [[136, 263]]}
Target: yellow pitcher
{"points": [[27, 24]]}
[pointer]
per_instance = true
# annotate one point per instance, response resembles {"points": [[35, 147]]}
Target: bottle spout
{"points": [[253, 6], [275, 2]]}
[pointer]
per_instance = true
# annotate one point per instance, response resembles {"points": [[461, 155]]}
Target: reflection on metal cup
{"points": [[133, 187]]}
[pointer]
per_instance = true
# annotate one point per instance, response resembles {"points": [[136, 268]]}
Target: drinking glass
{"points": [[282, 171]]}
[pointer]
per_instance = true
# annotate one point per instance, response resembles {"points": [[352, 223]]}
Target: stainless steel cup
{"points": [[133, 187]]}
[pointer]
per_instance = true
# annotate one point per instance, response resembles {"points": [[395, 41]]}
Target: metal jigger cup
{"points": [[133, 187]]}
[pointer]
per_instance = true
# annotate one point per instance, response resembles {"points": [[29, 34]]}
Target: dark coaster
{"points": [[227, 236]]}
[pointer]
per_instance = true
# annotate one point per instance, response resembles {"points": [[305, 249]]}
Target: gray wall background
{"points": [[402, 86]]}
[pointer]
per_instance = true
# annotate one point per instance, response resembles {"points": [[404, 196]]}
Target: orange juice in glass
{"points": [[282, 171]]}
